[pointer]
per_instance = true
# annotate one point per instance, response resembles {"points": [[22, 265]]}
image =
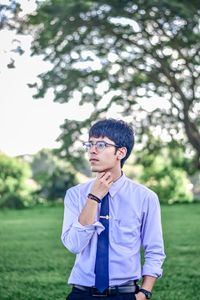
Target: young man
{"points": [[107, 221]]}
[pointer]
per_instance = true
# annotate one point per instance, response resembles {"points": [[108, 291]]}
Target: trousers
{"points": [[77, 294]]}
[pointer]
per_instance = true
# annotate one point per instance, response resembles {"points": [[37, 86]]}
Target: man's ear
{"points": [[121, 153]]}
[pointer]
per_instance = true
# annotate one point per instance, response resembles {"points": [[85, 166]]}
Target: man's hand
{"points": [[102, 184], [100, 188]]}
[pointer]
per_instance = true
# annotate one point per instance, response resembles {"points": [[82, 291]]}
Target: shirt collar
{"points": [[116, 186]]}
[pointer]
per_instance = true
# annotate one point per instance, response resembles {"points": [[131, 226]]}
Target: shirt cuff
{"points": [[97, 226], [155, 272]]}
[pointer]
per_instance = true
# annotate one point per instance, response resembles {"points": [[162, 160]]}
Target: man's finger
{"points": [[107, 175], [110, 182], [100, 174]]}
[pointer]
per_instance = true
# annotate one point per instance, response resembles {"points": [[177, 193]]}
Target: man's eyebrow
{"points": [[101, 139], [97, 141]]}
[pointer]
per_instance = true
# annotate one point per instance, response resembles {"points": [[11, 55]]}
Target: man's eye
{"points": [[89, 145], [101, 145]]}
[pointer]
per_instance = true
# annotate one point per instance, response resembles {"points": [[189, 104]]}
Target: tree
{"points": [[53, 175], [9, 14], [15, 192], [162, 171], [124, 53], [10, 20]]}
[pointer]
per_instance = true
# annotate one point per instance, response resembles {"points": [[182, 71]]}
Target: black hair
{"points": [[120, 132]]}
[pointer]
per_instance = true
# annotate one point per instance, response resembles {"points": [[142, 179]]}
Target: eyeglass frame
{"points": [[94, 144]]}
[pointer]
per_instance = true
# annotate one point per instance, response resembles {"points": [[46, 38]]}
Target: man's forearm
{"points": [[148, 282]]}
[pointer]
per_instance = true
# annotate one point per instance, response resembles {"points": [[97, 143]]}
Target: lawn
{"points": [[35, 265]]}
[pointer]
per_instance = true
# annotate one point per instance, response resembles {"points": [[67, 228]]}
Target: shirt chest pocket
{"points": [[125, 232]]}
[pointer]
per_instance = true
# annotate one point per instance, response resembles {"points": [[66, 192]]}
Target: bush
{"points": [[54, 175], [14, 190], [163, 173]]}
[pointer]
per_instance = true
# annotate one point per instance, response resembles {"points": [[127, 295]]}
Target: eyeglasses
{"points": [[100, 145]]}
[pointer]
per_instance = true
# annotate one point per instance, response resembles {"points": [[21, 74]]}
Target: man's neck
{"points": [[117, 176]]}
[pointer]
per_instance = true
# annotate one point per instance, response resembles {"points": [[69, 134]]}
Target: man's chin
{"points": [[96, 169], [93, 169]]}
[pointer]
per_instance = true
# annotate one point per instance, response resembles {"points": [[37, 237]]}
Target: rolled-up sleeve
{"points": [[152, 238], [75, 237]]}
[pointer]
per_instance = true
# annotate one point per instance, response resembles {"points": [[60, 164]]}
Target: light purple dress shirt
{"points": [[135, 222]]}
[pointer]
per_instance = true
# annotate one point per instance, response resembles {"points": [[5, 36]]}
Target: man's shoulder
{"points": [[140, 188]]}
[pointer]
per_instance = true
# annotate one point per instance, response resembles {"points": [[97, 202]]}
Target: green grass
{"points": [[35, 265], [33, 262]]}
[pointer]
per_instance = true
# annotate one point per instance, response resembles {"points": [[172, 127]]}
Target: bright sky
{"points": [[26, 124]]}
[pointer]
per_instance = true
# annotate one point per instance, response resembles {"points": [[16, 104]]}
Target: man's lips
{"points": [[93, 159]]}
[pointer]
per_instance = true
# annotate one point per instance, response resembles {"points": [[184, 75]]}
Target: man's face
{"points": [[106, 159]]}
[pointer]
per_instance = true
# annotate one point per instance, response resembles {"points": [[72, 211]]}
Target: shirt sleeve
{"points": [[75, 237], [152, 237]]}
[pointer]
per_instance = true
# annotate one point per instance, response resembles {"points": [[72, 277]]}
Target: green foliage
{"points": [[54, 175], [15, 190], [163, 173], [142, 50]]}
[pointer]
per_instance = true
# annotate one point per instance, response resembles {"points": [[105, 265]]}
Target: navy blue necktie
{"points": [[102, 255]]}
